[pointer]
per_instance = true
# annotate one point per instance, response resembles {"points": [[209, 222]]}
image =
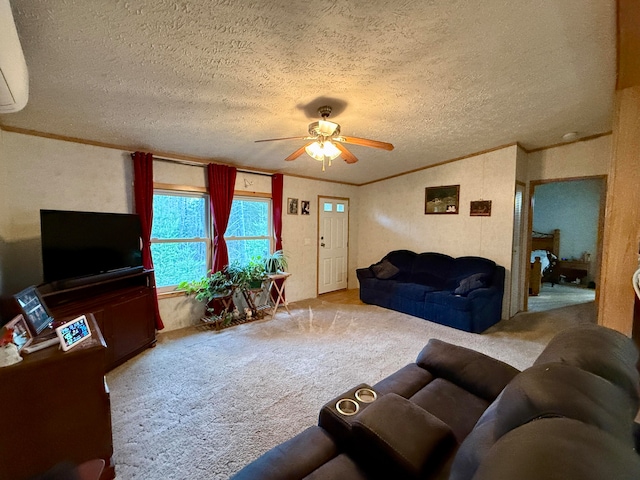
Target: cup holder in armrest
{"points": [[347, 407], [366, 395], [337, 415]]}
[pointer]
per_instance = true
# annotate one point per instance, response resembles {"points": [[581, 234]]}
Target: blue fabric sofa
{"points": [[464, 293]]}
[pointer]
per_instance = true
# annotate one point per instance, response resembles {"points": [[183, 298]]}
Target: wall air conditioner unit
{"points": [[14, 78]]}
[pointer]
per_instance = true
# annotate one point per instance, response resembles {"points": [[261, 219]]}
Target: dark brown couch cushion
{"points": [[596, 349], [480, 374], [559, 448], [560, 390], [397, 437]]}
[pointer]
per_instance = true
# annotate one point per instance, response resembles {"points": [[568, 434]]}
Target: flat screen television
{"points": [[82, 244]]}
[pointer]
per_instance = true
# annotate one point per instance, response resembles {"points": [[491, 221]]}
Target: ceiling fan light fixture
{"points": [[322, 151], [326, 128]]}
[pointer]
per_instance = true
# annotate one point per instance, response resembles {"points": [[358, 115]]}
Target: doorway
{"points": [[333, 243], [574, 209], [517, 285]]}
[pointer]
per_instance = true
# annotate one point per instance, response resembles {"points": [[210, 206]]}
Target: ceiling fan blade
{"points": [[298, 152], [346, 154], [365, 142], [286, 138]]}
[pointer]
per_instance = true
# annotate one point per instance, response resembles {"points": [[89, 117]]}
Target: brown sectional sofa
{"points": [[456, 413]]}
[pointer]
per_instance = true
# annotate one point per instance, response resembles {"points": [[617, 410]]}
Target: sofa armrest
{"points": [[397, 439], [484, 292], [476, 372], [363, 273]]}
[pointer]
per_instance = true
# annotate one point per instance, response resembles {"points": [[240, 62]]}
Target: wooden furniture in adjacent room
{"points": [[549, 242], [123, 306], [55, 407], [573, 270]]}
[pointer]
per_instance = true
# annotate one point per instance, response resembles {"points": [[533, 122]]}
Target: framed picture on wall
{"points": [[292, 206], [445, 200], [480, 208], [304, 207]]}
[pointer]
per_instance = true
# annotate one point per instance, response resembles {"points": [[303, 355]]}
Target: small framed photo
{"points": [[292, 206], [481, 208], [33, 309], [304, 207], [21, 334], [442, 200]]}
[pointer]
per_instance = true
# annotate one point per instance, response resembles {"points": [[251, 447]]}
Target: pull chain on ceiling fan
{"points": [[326, 142]]}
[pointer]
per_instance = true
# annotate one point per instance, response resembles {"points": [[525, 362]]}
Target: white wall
{"points": [[391, 214], [52, 174], [579, 159], [300, 234], [40, 173]]}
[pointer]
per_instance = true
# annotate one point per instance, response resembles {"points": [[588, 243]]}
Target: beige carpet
{"points": [[203, 403]]}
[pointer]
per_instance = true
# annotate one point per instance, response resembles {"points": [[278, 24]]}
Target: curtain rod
{"points": [[203, 165]]}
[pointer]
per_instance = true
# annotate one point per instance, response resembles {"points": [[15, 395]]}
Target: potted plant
{"points": [[214, 286], [255, 272], [237, 274], [276, 262]]}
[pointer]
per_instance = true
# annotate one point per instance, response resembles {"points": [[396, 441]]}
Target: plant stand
{"points": [[223, 301], [258, 309]]}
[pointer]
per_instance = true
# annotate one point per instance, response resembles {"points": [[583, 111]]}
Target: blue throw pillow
{"points": [[385, 270], [471, 283]]}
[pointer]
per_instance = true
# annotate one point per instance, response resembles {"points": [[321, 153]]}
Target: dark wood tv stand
{"points": [[123, 306], [55, 408]]}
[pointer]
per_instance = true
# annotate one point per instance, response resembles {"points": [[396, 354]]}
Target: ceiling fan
{"points": [[325, 141]]}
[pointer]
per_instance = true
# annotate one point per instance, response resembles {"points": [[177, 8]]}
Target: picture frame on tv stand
{"points": [[34, 310]]}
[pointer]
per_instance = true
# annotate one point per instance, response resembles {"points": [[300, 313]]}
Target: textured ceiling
{"points": [[439, 79]]}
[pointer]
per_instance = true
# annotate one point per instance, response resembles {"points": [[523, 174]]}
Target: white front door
{"points": [[333, 243]]}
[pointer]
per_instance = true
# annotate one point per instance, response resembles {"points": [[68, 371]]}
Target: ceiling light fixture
{"points": [[567, 137], [322, 150]]}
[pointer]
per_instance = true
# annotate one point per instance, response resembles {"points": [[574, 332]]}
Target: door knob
{"points": [[322, 244]]}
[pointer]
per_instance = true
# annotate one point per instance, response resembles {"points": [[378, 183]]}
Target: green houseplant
{"points": [[249, 276], [276, 262], [255, 272], [214, 286]]}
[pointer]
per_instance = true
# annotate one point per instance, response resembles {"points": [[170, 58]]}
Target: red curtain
{"points": [[143, 192], [222, 181], [277, 186], [276, 199]]}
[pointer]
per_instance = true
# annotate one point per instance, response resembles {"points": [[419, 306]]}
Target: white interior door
{"points": [[333, 243], [517, 293]]}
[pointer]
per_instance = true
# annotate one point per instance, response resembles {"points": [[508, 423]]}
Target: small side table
{"points": [[276, 292]]}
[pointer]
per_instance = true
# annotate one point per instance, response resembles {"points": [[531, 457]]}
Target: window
{"points": [[180, 236], [249, 229]]}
